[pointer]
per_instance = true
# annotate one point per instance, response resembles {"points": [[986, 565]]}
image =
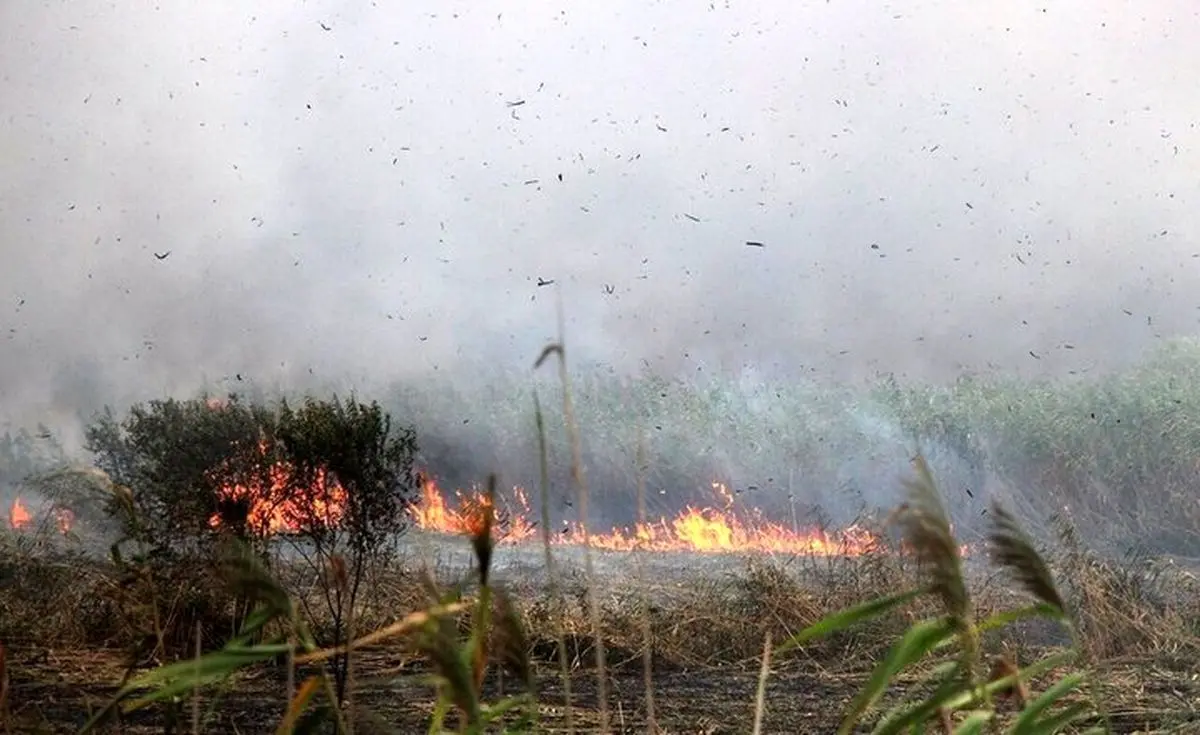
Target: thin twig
{"points": [[639, 555], [551, 579], [196, 689], [577, 475], [760, 699]]}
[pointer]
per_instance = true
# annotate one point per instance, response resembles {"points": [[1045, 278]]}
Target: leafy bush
{"points": [[353, 447], [495, 636], [335, 475], [169, 450]]}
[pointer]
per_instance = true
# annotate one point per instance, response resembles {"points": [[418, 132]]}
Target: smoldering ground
{"points": [[364, 196]]}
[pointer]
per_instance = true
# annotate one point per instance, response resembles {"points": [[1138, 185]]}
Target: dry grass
{"points": [[69, 629]]}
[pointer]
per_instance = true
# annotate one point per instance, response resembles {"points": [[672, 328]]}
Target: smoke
{"points": [[359, 195]]}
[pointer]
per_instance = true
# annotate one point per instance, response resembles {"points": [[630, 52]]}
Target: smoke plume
{"points": [[202, 194]]}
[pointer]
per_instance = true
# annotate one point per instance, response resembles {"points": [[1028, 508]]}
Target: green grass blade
{"points": [[494, 711], [441, 708], [1026, 722], [258, 619], [904, 713], [845, 618], [1038, 610], [912, 713], [913, 646], [968, 698], [975, 722], [1058, 722], [217, 663], [184, 676]]}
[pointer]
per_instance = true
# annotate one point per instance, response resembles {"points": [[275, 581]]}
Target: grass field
{"points": [[1102, 472], [708, 617]]}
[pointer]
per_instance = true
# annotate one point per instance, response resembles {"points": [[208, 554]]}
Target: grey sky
{"points": [[331, 197]]}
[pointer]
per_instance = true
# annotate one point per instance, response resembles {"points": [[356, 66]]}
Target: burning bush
{"points": [[333, 476], [207, 466], [167, 451]]}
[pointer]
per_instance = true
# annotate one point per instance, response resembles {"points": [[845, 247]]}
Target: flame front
{"points": [[19, 516], [432, 513], [693, 529], [276, 507]]}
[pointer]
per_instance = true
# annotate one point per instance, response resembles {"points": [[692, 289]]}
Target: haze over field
{"points": [[366, 194]]}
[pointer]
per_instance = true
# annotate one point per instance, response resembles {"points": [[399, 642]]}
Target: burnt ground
{"points": [[53, 691], [55, 694]]}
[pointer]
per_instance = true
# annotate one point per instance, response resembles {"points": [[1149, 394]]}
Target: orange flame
{"points": [[432, 513], [278, 506], [271, 511], [19, 516], [693, 529]]}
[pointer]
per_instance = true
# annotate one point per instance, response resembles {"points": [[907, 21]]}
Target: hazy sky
{"points": [[373, 191]]}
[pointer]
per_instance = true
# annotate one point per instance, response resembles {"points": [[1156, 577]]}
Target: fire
{"points": [[692, 529], [710, 530], [279, 506], [21, 518], [276, 506], [432, 513]]}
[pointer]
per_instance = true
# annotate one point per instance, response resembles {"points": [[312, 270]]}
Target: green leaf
{"points": [[493, 712], [845, 618], [1038, 610], [441, 708], [1026, 722], [256, 621], [911, 714], [183, 676], [904, 713], [969, 698], [913, 646], [975, 722], [1056, 723]]}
